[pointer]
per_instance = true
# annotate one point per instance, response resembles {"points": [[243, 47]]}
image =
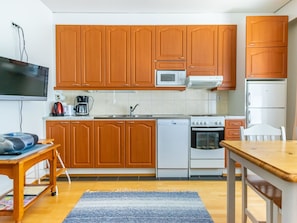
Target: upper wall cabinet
{"points": [[266, 31], [126, 57], [266, 46], [142, 56], [118, 56], [202, 48], [79, 56], [227, 56], [171, 42]]}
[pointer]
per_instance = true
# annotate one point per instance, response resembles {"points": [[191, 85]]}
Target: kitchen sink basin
{"points": [[125, 116]]}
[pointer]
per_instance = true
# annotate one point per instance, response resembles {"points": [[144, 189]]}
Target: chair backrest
{"points": [[262, 132]]}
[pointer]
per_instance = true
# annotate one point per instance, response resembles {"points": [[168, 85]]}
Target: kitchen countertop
{"points": [[118, 116], [125, 116]]}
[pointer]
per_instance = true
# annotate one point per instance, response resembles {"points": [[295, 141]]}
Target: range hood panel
{"points": [[204, 82]]}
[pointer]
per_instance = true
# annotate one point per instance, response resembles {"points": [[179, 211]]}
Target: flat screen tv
{"points": [[21, 81]]}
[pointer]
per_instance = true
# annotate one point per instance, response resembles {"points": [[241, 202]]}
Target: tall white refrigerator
{"points": [[266, 102]]}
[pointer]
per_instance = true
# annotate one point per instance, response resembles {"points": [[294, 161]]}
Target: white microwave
{"points": [[170, 78]]}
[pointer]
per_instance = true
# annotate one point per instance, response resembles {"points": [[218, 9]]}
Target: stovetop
{"points": [[207, 121]]}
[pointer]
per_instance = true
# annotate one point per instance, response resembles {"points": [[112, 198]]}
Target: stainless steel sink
{"points": [[124, 116]]}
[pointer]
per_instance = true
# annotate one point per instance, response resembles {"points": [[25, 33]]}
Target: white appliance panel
{"points": [[272, 116], [266, 94], [207, 154], [173, 147]]}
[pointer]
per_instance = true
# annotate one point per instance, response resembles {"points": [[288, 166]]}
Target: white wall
{"points": [[36, 21]]}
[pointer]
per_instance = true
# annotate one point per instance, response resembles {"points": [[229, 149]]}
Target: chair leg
{"points": [[63, 166], [244, 194]]}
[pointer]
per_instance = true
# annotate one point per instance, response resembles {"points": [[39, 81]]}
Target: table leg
{"points": [[53, 169], [230, 190], [18, 192], [289, 202]]}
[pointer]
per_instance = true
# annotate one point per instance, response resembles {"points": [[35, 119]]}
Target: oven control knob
{"points": [[205, 123]]}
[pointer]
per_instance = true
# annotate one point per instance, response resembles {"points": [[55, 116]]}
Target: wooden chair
{"points": [[270, 193]]}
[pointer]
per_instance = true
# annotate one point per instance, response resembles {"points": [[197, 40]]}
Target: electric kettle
{"points": [[57, 109]]}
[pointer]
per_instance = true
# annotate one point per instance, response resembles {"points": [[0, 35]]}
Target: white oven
{"points": [[207, 157]]}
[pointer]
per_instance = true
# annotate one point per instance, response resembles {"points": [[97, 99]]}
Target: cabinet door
{"points": [[82, 144], [117, 56], [171, 42], [267, 62], [266, 31], [140, 144], [68, 56], [232, 132], [227, 56], [109, 144], [142, 56], [60, 132], [202, 50], [92, 57]]}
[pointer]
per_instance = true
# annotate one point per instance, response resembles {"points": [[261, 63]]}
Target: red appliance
{"points": [[58, 109]]}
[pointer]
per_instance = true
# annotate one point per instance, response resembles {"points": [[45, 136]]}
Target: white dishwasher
{"points": [[173, 137]]}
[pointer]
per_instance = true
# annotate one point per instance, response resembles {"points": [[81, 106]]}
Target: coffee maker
{"points": [[82, 105]]}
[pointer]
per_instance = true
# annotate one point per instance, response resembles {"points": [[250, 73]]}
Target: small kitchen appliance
{"points": [[58, 109], [170, 78], [82, 105]]}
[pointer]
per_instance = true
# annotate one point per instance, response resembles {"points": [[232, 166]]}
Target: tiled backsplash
{"points": [[190, 101]]}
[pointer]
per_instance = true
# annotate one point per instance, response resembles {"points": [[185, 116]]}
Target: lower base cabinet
{"points": [[105, 143]]}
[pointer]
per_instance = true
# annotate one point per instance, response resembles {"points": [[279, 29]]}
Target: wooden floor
{"points": [[54, 209]]}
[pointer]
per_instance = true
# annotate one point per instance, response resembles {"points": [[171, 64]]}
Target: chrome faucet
{"points": [[132, 109]]}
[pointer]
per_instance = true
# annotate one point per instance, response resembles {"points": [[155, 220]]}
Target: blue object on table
{"points": [[15, 142]]}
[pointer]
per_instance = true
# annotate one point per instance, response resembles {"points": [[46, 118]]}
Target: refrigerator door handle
{"points": [[249, 117], [249, 98]]}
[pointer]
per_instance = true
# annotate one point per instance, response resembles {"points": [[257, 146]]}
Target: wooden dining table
{"points": [[275, 161]]}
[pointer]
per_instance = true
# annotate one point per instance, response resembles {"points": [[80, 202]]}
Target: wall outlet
{"points": [[57, 97]]}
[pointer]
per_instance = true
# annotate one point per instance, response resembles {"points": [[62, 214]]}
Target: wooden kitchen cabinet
{"points": [[142, 56], [68, 56], [227, 56], [202, 50], [109, 144], [82, 144], [232, 132], [92, 56], [266, 46], [140, 144], [266, 31], [125, 143], [79, 56], [266, 62], [60, 132], [105, 143], [118, 56], [171, 43]]}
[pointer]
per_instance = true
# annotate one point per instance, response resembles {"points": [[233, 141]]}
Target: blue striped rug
{"points": [[139, 207]]}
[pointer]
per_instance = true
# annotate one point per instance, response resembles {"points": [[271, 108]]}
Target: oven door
{"points": [[205, 142]]}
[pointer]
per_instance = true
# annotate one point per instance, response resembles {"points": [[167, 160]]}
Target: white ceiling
{"points": [[165, 6]]}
